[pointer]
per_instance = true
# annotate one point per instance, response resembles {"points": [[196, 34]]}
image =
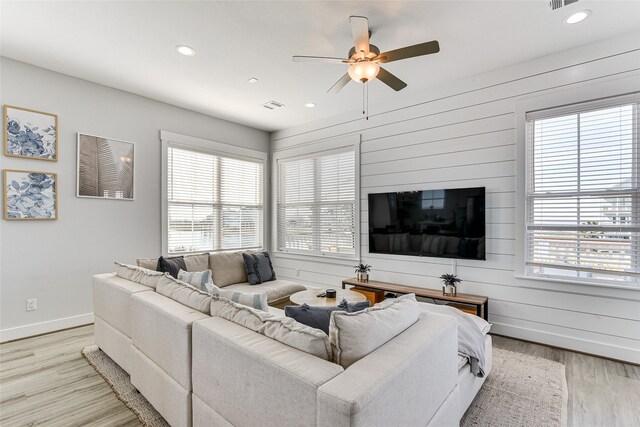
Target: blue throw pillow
{"points": [[258, 267], [319, 317]]}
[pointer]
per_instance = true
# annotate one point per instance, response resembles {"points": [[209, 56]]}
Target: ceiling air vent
{"points": [[272, 105], [557, 4]]}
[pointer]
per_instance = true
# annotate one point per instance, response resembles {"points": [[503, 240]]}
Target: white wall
{"points": [[53, 260], [464, 134]]}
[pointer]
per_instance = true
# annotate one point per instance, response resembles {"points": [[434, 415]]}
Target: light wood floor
{"points": [[45, 381]]}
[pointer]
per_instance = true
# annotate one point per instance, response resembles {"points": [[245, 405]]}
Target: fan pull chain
{"points": [[367, 89]]}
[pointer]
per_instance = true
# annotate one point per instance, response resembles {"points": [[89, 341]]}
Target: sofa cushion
{"points": [[197, 262], [319, 317], [161, 329], [276, 290], [200, 279], [296, 335], [184, 293], [282, 329], [148, 263], [171, 265], [257, 301], [139, 275], [258, 267], [354, 335], [227, 268], [238, 313], [111, 300], [399, 242]]}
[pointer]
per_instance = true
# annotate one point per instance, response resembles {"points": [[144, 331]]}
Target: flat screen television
{"points": [[446, 223]]}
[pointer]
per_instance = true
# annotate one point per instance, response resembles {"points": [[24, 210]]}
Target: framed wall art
{"points": [[30, 195], [105, 168], [30, 134]]}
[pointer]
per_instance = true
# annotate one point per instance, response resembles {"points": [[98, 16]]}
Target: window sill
{"points": [[578, 282], [316, 258]]}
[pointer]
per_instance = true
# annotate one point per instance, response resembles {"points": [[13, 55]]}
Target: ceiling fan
{"points": [[364, 58]]}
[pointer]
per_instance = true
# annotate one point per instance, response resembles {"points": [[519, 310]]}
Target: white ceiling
{"points": [[130, 45]]}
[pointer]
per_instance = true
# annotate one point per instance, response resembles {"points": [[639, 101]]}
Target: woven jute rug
{"points": [[522, 390], [120, 383]]}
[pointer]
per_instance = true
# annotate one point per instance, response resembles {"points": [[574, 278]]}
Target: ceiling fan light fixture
{"points": [[363, 71]]}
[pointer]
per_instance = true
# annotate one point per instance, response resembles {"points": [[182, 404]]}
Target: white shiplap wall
{"points": [[464, 134]]}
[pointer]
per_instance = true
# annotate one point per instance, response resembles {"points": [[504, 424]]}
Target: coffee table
{"points": [[310, 298]]}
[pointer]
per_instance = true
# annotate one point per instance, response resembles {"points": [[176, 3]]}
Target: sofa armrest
{"points": [[415, 370]]}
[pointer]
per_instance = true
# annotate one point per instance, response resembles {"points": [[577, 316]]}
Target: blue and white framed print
{"points": [[30, 195], [30, 134]]}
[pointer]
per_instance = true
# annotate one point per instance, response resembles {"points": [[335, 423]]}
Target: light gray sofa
{"points": [[201, 370]]}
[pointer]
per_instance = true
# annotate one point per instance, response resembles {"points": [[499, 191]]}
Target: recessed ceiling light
{"points": [[185, 50], [252, 80], [578, 17], [309, 105]]}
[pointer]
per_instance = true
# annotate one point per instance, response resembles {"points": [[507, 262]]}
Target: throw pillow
{"points": [[228, 268], [354, 335], [282, 329], [199, 279], [257, 301], [319, 317], [184, 293], [171, 265], [138, 274], [258, 267]]}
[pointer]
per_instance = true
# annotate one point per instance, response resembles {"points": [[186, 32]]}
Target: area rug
{"points": [[119, 381], [522, 390]]}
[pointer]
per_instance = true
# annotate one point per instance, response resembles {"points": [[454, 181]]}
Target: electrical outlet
{"points": [[32, 304]]}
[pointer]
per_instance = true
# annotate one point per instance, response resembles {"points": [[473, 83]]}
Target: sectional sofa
{"points": [[197, 364]]}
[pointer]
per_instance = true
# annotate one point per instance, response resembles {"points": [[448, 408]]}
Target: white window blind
{"points": [[317, 205], [582, 192], [214, 202]]}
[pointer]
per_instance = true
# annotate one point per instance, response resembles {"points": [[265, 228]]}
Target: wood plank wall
{"points": [[464, 134]]}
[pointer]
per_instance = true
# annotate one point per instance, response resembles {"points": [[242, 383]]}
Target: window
{"points": [[317, 204], [214, 202], [582, 203]]}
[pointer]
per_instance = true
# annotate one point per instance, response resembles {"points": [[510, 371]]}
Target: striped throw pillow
{"points": [[257, 301], [203, 280]]}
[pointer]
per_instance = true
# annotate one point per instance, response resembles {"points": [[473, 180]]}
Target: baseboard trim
{"points": [[592, 348], [26, 331]]}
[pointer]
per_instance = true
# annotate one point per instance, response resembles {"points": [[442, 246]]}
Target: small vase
{"points": [[362, 277]]}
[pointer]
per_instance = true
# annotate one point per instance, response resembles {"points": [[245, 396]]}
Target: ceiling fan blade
{"points": [[411, 51], [390, 80], [299, 58], [340, 84], [360, 33]]}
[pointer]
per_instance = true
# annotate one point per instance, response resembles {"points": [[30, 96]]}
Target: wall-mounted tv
{"points": [[446, 223]]}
